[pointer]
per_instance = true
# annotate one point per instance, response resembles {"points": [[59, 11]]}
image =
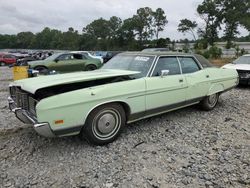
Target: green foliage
{"points": [[210, 13], [213, 52], [239, 51], [159, 21], [187, 26], [232, 12]]}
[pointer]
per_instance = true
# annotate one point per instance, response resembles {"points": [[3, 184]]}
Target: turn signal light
{"points": [[60, 121]]}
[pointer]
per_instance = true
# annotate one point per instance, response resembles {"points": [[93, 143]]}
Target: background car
{"points": [[7, 59], [128, 88], [89, 54], [65, 62], [109, 55], [24, 61], [242, 65]]}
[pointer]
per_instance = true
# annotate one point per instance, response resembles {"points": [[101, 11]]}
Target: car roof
{"points": [[157, 53], [203, 61]]}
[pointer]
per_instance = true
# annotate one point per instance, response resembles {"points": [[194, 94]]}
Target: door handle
{"points": [[180, 80]]}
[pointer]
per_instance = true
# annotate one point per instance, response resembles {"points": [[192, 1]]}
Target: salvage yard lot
{"points": [[187, 147]]}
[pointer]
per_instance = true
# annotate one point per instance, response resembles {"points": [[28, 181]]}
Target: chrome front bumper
{"points": [[24, 116]]}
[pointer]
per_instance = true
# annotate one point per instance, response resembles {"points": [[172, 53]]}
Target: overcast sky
{"points": [[34, 15]]}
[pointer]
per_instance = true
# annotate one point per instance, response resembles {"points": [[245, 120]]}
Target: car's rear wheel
{"points": [[2, 64], [104, 124], [209, 102], [90, 67], [42, 69]]}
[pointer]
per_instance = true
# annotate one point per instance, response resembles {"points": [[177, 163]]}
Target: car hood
{"points": [[237, 66], [31, 85]]}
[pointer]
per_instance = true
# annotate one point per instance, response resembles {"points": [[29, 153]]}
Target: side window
{"points": [[167, 63], [188, 65], [64, 57], [78, 56], [84, 56]]}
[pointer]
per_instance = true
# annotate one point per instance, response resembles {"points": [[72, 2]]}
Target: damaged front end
{"points": [[24, 106]]}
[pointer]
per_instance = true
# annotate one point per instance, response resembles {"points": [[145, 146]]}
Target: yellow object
{"points": [[20, 72]]}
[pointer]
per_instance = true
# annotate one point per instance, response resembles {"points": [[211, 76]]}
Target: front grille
{"points": [[243, 73], [23, 100], [32, 105]]}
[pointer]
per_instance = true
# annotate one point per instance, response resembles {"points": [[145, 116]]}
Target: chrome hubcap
{"points": [[212, 99], [106, 124]]}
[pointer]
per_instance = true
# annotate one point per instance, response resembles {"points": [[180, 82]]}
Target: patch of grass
{"points": [[222, 61]]}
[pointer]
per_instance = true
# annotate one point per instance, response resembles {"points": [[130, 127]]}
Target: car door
{"points": [[197, 78], [165, 92], [66, 63]]}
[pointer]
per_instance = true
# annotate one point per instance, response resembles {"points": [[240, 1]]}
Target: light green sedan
{"points": [[130, 87]]}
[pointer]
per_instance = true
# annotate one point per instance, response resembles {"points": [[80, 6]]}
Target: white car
{"points": [[242, 65], [89, 54]]}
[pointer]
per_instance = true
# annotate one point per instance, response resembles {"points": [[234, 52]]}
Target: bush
{"points": [[215, 52]]}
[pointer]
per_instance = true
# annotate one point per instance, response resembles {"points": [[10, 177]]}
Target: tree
{"points": [[143, 23], [70, 39], [159, 21], [187, 26], [98, 28], [234, 12], [115, 24], [211, 15], [24, 39]]}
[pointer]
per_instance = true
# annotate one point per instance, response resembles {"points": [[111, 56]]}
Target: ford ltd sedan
{"points": [[130, 87]]}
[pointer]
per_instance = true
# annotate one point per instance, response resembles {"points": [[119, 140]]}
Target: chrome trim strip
{"points": [[15, 109], [153, 62], [40, 125]]}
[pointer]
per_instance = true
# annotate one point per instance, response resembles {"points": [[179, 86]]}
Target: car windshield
{"points": [[140, 63], [242, 60]]}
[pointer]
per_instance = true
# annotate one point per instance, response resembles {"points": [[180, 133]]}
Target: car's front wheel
{"points": [[90, 67], [104, 124], [2, 64], [209, 102]]}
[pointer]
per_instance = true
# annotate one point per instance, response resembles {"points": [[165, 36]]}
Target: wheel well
{"points": [[124, 105], [40, 66], [90, 65]]}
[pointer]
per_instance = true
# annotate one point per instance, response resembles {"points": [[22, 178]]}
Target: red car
{"points": [[7, 59]]}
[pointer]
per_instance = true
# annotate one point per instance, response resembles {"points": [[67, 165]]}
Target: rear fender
{"points": [[215, 88]]}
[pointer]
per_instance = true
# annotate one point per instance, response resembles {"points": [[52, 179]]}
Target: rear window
{"points": [[203, 61]]}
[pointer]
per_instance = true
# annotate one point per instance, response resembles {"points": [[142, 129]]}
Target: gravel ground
{"points": [[185, 148]]}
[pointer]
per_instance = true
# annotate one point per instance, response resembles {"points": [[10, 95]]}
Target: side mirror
{"points": [[56, 60], [164, 73]]}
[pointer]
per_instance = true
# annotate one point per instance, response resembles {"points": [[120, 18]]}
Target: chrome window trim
{"points": [[165, 56], [155, 56], [195, 60]]}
